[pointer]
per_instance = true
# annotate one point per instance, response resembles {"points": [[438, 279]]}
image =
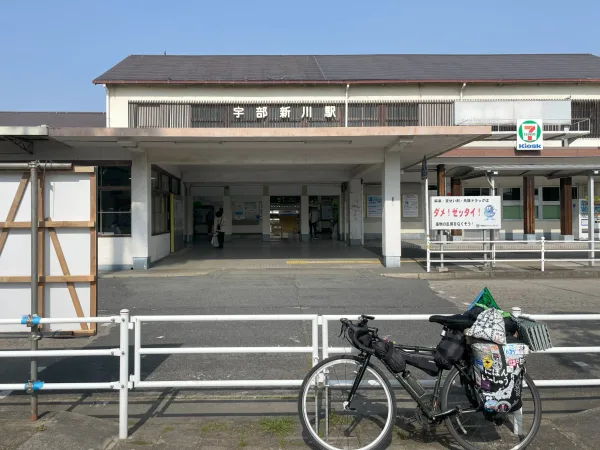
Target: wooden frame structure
{"points": [[49, 229]]}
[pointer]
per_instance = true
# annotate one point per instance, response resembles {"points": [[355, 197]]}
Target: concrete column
{"points": [[528, 209], [392, 207], [355, 211], [227, 215], [347, 214], [304, 216], [455, 191], [266, 215], [141, 203], [342, 217], [566, 209]]}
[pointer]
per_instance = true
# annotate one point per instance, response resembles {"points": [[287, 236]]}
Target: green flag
{"points": [[485, 300]]}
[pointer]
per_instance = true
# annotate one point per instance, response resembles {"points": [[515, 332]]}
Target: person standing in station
{"points": [[220, 227], [210, 221], [313, 220]]}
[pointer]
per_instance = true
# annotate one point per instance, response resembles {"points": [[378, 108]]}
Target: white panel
{"points": [[285, 189], [15, 302], [114, 251], [160, 246], [75, 244], [67, 196], [58, 303], [9, 183], [208, 191], [324, 190], [246, 190], [15, 259], [509, 111]]}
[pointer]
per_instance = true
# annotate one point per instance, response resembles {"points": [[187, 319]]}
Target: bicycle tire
{"points": [[382, 439], [537, 421]]}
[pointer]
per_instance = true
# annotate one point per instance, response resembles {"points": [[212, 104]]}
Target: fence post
{"points": [[315, 341], [543, 258], [427, 248], [124, 374], [516, 311]]}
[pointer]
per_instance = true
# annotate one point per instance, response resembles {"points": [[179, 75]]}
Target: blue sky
{"points": [[50, 51]]}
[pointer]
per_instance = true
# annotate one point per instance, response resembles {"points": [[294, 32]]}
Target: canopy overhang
{"points": [[218, 146], [550, 171]]}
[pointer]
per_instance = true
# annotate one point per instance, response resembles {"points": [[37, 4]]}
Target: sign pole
{"points": [[426, 203]]}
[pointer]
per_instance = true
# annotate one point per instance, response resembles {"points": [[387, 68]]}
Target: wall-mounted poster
{"points": [[410, 205], [238, 211], [374, 207]]}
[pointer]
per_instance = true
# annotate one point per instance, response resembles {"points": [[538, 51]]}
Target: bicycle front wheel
{"points": [[365, 424], [505, 431]]}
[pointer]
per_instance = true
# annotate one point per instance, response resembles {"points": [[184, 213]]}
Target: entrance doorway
{"points": [[328, 210], [285, 218]]}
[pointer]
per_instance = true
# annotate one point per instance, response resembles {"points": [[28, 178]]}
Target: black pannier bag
{"points": [[450, 350], [390, 355]]}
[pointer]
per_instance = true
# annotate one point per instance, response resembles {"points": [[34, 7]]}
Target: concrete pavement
{"points": [[323, 290]]}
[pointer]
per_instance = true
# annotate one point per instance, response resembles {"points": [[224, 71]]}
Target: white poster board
{"points": [[374, 206], [239, 211], [67, 248], [466, 213], [410, 206]]}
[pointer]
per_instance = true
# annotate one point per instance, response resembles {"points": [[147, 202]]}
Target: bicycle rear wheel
{"points": [[507, 431], [368, 421]]}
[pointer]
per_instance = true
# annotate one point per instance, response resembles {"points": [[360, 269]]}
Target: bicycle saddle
{"points": [[455, 322]]}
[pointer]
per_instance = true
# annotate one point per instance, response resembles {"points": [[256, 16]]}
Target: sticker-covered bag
{"points": [[489, 326]]}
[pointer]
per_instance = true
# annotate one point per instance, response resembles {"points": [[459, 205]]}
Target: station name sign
{"points": [[281, 112], [530, 134]]}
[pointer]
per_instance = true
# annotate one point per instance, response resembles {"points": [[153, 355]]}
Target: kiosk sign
{"points": [[530, 135]]}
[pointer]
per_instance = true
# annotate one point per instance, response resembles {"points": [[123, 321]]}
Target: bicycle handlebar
{"points": [[359, 333]]}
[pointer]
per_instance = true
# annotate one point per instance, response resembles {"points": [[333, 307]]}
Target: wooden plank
{"points": [[65, 269], [76, 169], [50, 224], [93, 250], [12, 212], [50, 279]]}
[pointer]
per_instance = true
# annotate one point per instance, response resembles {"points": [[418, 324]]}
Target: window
{"points": [[476, 192], [114, 201], [163, 185], [551, 194], [586, 113], [511, 194]]}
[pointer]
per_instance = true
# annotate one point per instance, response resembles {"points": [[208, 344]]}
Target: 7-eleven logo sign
{"points": [[529, 135]]}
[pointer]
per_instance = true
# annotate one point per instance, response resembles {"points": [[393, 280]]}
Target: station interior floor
{"points": [[277, 253]]}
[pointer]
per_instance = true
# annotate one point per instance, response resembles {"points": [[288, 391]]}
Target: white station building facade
{"points": [[266, 138]]}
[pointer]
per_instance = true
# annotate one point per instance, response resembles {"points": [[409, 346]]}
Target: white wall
{"points": [[160, 246], [114, 253], [119, 96]]}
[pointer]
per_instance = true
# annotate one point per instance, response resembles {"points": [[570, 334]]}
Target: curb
{"points": [[496, 275], [148, 274]]}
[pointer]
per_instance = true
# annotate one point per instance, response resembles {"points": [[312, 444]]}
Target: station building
{"points": [[267, 138]]}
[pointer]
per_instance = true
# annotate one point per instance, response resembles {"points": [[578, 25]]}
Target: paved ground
{"points": [[160, 419]]}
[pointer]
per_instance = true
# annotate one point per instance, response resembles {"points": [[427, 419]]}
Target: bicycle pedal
{"points": [[410, 419]]}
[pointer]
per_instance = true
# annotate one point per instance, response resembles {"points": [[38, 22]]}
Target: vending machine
{"points": [[581, 217]]}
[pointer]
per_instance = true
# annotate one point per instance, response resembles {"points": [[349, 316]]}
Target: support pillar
{"points": [[189, 213], [591, 218], [227, 214], [304, 215], [455, 191], [528, 209], [266, 215], [342, 217], [355, 211], [392, 207], [141, 201], [441, 180], [566, 209]]}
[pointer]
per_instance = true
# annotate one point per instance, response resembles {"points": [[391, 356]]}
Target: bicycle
{"points": [[372, 427]]}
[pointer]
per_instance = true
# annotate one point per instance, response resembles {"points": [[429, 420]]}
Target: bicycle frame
{"points": [[428, 410]]}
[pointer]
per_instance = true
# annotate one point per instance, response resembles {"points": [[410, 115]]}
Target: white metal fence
{"points": [[134, 381], [490, 250]]}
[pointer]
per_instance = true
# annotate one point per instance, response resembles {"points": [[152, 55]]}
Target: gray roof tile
{"points": [[359, 68], [52, 119]]}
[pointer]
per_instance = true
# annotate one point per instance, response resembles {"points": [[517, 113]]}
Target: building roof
{"points": [[331, 69], [52, 119]]}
